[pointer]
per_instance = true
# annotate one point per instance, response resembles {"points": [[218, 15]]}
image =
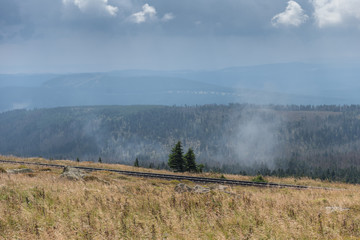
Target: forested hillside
{"points": [[318, 141]]}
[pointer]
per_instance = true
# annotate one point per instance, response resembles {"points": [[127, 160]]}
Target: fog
{"points": [[256, 139]]}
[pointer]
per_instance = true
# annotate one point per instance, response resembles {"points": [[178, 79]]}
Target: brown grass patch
{"points": [[107, 206]]}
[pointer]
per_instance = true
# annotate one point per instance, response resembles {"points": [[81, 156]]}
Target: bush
{"points": [[2, 170], [260, 179], [200, 168]]}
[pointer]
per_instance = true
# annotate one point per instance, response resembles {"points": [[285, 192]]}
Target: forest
{"points": [[319, 141]]}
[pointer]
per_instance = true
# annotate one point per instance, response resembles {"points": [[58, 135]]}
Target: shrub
{"points": [[259, 178]]}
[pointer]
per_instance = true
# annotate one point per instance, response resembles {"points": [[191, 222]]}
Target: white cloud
{"points": [[167, 17], [93, 6], [292, 16], [335, 12], [148, 13]]}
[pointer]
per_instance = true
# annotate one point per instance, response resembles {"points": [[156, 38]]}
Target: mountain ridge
{"points": [[291, 83]]}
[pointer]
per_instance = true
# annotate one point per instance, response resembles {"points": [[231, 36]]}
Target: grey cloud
{"points": [[229, 17], [167, 17], [98, 7], [43, 35], [9, 13], [10, 20]]}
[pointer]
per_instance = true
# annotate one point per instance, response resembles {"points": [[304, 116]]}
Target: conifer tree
{"points": [[190, 163], [176, 160], [136, 163]]}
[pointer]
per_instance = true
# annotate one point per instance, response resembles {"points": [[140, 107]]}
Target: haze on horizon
{"points": [[60, 36]]}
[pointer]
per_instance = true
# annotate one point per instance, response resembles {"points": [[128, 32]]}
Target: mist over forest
{"points": [[297, 140]]}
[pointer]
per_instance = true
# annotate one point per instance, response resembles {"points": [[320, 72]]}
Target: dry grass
{"points": [[110, 206], [296, 181]]}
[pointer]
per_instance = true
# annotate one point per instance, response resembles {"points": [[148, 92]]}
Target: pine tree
{"points": [[100, 161], [176, 160], [189, 159], [136, 163]]}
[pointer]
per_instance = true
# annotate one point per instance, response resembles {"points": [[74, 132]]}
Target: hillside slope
{"points": [[43, 205], [282, 140]]}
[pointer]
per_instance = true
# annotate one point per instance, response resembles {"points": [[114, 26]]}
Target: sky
{"points": [[63, 36]]}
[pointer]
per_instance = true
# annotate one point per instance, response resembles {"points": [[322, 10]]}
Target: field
{"points": [[42, 205]]}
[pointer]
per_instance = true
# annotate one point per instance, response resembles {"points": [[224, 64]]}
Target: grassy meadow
{"points": [[42, 205]]}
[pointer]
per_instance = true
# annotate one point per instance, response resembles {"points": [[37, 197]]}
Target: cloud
{"points": [[292, 16], [93, 6], [335, 12], [148, 13], [167, 17]]}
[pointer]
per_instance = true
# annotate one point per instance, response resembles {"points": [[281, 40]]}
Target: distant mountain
{"points": [[24, 80], [289, 78], [292, 78], [292, 83], [106, 89], [106, 82]]}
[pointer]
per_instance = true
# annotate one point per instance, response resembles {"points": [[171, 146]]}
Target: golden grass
{"points": [[43, 205], [295, 181]]}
